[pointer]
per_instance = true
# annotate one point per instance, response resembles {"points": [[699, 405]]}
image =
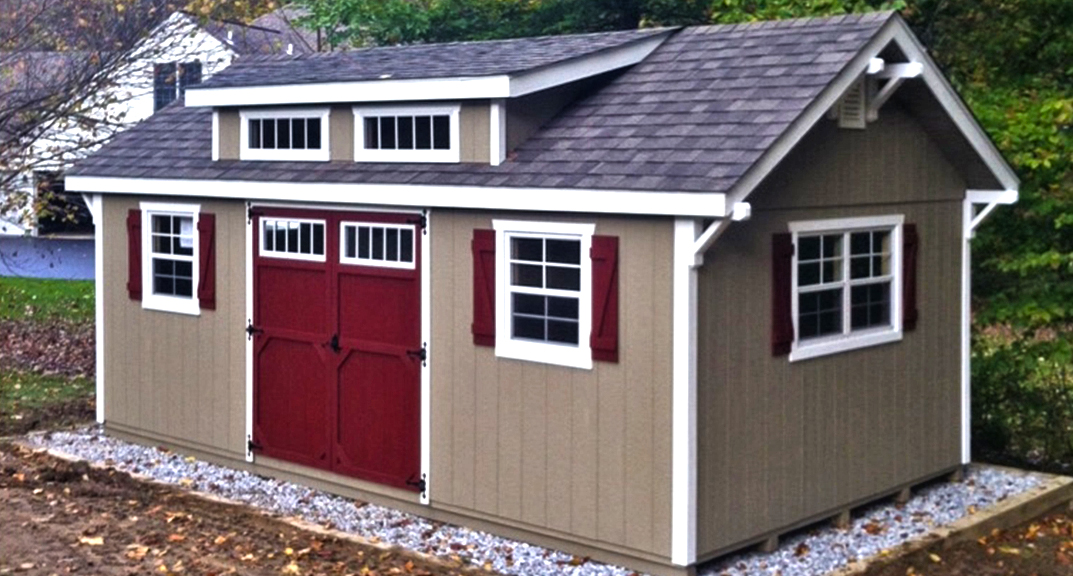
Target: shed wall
{"points": [[174, 375], [782, 442], [579, 454]]}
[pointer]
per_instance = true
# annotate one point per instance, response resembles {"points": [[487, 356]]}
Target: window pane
{"points": [[283, 133], [163, 285], [881, 242], [528, 327], [527, 275], [880, 265], [528, 304], [832, 270], [298, 133], [268, 129], [351, 242], [313, 133], [808, 248], [564, 251], [563, 308], [281, 236], [527, 249], [184, 287], [407, 252], [819, 313], [163, 266], [372, 134], [830, 322], [423, 133], [387, 132], [255, 134], [406, 132], [563, 331], [808, 274], [184, 269], [832, 245], [870, 305], [363, 241], [318, 239], [860, 243], [292, 237], [860, 267], [162, 224], [161, 244], [378, 243], [392, 244], [306, 238], [564, 278], [441, 132], [270, 228]]}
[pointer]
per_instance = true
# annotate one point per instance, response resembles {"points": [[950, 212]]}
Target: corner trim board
{"points": [[95, 203], [699, 204], [684, 394], [426, 371], [249, 341]]}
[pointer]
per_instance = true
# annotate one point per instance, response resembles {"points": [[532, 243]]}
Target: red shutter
{"points": [[782, 322], [484, 287], [134, 254], [206, 239], [604, 339], [909, 277]]}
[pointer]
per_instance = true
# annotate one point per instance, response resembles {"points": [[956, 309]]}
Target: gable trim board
{"points": [[458, 88], [698, 204]]}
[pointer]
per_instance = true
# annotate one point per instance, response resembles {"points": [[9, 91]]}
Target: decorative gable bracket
{"points": [[894, 74]]}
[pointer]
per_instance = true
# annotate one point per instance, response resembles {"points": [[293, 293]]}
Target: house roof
{"points": [[699, 114], [457, 59], [267, 35]]}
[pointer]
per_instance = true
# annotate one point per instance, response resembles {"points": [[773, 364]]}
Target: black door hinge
{"points": [[421, 354], [421, 221], [419, 483], [250, 330], [251, 445], [250, 213]]}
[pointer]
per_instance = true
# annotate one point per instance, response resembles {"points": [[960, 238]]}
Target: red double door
{"points": [[337, 342]]}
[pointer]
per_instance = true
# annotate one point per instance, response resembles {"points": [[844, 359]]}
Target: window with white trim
{"points": [[170, 257], [406, 134], [284, 135], [293, 238], [846, 284], [544, 292], [377, 244]]}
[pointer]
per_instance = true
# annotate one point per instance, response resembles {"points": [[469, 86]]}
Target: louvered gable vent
{"points": [[853, 109]]}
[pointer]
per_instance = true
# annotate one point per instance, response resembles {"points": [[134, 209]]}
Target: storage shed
{"points": [[646, 296]]}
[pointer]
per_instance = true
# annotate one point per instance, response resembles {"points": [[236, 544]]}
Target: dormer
{"points": [[468, 102]]}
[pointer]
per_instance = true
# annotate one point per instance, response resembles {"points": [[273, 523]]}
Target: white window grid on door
{"points": [[386, 245], [304, 244]]}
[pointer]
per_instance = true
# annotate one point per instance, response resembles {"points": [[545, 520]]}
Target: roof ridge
{"points": [[802, 22]]}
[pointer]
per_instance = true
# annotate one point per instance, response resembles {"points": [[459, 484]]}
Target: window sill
{"points": [[843, 344], [188, 306], [545, 354]]}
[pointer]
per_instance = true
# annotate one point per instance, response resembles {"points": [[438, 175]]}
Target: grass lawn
{"points": [[36, 299], [29, 401]]}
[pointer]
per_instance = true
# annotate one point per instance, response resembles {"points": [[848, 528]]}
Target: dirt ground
{"points": [[62, 518], [1040, 547]]}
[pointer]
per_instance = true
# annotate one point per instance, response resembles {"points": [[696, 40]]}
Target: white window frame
{"points": [[579, 356], [290, 255], [164, 302], [850, 339], [451, 155], [323, 154], [358, 261]]}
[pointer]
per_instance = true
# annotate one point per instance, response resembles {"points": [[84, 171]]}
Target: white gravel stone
{"points": [[809, 553]]}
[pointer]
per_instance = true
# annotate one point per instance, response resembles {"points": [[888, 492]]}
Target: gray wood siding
{"points": [[782, 442], [474, 124], [341, 134], [581, 454], [230, 130], [175, 375]]}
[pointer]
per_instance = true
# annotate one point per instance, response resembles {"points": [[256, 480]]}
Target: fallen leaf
{"points": [[1009, 550], [935, 558], [801, 550], [289, 551], [409, 565], [94, 541], [220, 540], [176, 538]]}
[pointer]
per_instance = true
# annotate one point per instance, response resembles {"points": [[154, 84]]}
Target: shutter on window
{"points": [[604, 339], [909, 277], [782, 322], [484, 287], [134, 254], [206, 239]]}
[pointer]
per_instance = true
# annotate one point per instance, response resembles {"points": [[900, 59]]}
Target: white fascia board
{"points": [[695, 204], [898, 31], [586, 66], [992, 196], [365, 91]]}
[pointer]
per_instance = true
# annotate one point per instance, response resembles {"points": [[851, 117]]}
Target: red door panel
{"points": [[292, 403]]}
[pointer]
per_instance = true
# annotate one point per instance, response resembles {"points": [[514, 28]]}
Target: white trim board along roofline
{"points": [[457, 88], [695, 204]]}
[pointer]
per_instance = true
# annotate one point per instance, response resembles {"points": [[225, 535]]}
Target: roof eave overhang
{"points": [[455, 88], [569, 200], [898, 31]]}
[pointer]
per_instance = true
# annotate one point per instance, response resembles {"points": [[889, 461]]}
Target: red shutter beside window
{"points": [[604, 339], [910, 243], [206, 239], [484, 287], [782, 321], [134, 254]]}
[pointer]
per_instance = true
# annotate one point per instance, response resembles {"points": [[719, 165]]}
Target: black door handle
{"points": [[334, 343]]}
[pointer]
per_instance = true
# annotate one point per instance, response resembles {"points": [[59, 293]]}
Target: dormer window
{"points": [[406, 134], [285, 135]]}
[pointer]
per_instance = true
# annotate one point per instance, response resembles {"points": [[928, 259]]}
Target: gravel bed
{"points": [[814, 552]]}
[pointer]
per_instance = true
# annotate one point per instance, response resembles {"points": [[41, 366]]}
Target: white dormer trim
{"points": [[450, 155], [456, 88]]}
